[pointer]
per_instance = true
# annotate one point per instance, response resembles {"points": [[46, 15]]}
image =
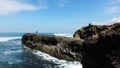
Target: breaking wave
{"points": [[60, 63], [63, 34], [4, 39], [8, 52]]}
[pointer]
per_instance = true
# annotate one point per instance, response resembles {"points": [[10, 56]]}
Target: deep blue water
{"points": [[14, 55]]}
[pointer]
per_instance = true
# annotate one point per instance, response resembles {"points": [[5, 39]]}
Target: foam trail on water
{"points": [[61, 63], [63, 34], [4, 39], [18, 42], [8, 52]]}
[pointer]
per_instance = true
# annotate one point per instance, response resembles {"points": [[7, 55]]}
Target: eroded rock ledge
{"points": [[59, 47], [94, 46]]}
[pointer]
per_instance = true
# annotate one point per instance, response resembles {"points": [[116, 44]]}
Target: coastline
{"points": [[89, 45]]}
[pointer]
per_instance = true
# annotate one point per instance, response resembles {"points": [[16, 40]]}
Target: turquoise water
{"points": [[14, 55]]}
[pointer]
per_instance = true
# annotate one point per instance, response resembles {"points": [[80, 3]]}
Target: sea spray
{"points": [[63, 34], [4, 38], [60, 63]]}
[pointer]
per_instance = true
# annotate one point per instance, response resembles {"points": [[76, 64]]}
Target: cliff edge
{"points": [[59, 47], [94, 46]]}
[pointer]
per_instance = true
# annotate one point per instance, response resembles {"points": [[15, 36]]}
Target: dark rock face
{"points": [[94, 46], [91, 31], [56, 46], [102, 51]]}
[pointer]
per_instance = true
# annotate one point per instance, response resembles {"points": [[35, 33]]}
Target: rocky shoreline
{"points": [[94, 46], [55, 46]]}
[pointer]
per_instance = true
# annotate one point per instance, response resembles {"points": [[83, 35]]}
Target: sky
{"points": [[58, 16]]}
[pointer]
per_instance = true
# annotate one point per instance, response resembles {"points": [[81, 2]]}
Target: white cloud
{"points": [[115, 20], [114, 1], [62, 3], [115, 9], [12, 6], [109, 22]]}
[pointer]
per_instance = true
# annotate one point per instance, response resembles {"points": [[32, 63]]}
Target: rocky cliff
{"points": [[94, 46], [59, 47], [101, 46]]}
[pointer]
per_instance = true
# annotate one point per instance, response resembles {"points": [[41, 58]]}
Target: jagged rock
{"points": [[90, 31], [94, 46], [104, 51], [53, 45]]}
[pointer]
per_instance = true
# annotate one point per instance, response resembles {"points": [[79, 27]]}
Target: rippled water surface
{"points": [[14, 55]]}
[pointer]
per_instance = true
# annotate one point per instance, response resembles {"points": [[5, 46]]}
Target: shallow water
{"points": [[14, 55]]}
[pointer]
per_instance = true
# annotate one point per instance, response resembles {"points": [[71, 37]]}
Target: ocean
{"points": [[14, 55]]}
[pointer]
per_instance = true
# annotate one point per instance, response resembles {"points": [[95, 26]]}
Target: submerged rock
{"points": [[94, 46]]}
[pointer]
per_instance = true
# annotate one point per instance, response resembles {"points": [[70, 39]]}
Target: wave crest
{"points": [[61, 63], [4, 39], [63, 34]]}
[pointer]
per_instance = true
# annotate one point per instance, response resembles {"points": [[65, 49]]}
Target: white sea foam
{"points": [[61, 63], [10, 63], [8, 52], [63, 34], [18, 42], [14, 62], [4, 39]]}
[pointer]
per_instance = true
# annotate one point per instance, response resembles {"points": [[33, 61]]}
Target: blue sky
{"points": [[59, 16]]}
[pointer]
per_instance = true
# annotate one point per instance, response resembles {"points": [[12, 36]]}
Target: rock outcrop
{"points": [[94, 46], [101, 46], [59, 47]]}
